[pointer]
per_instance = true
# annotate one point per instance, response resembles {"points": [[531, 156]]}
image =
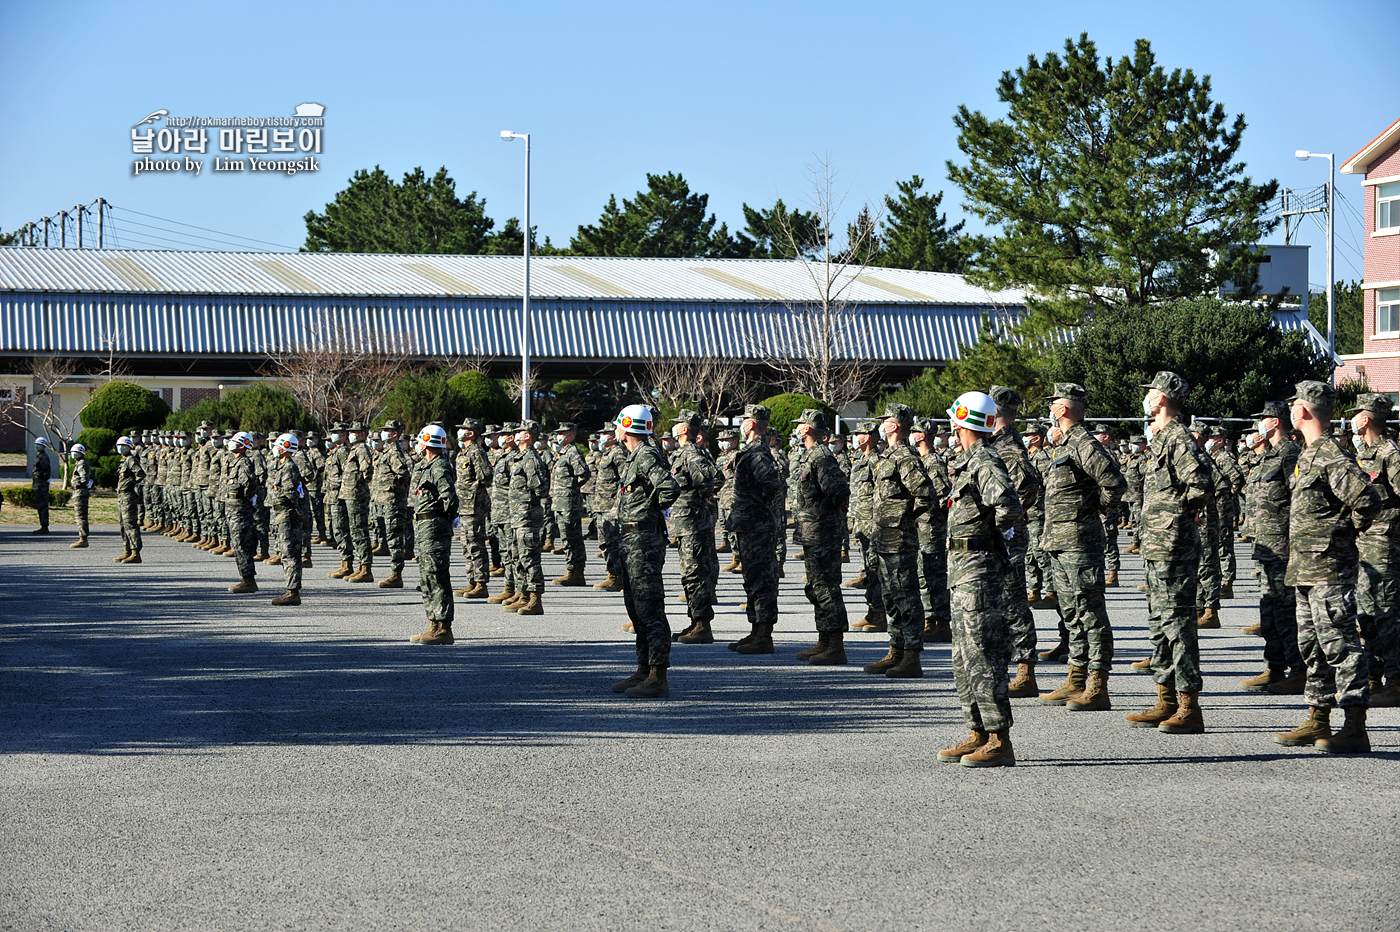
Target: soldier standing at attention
{"points": [[474, 476], [1082, 483], [985, 515], [357, 471], [693, 524], [862, 512], [1378, 583], [82, 488], [391, 478], [1035, 519], [314, 479], [647, 489], [307, 469], [933, 538], [1015, 608], [607, 486], [728, 455], [1111, 558], [39, 483], [1177, 484], [821, 497], [285, 493], [567, 477], [529, 486], [433, 500], [838, 447], [241, 498], [129, 476], [1208, 588], [1332, 503], [336, 514], [1132, 472], [502, 515], [754, 523], [902, 494], [1227, 506], [262, 512]]}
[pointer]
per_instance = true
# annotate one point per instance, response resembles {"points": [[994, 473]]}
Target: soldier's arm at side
{"points": [[1356, 492], [1106, 473]]}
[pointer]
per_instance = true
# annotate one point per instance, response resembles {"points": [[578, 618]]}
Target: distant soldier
{"points": [[754, 523], [693, 525], [1133, 465], [241, 488], [389, 486], [433, 501], [728, 455], [315, 485], [1030, 491], [902, 494], [780, 501], [501, 515], [1037, 567], [39, 483], [285, 493], [984, 516], [840, 449], [1378, 583], [474, 477], [357, 469], [1111, 518], [1332, 503], [821, 497], [1227, 506], [607, 486], [647, 489], [567, 477], [82, 488], [933, 537], [862, 523], [1082, 483], [129, 476], [336, 513], [262, 512], [1209, 586], [529, 486], [1178, 485]]}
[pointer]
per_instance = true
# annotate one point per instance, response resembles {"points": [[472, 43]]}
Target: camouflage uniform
{"points": [[726, 462], [129, 476], [337, 515], [821, 494], [502, 513], [285, 494], [902, 494], [1133, 467], [314, 478], [1378, 583], [39, 482], [357, 468], [434, 503], [1208, 529], [474, 478], [933, 543], [862, 522], [1227, 506], [82, 488], [529, 486], [241, 489], [1268, 500], [1112, 559], [984, 505], [305, 470], [390, 481], [780, 502], [1011, 449], [262, 514], [754, 523], [647, 489], [607, 486], [1037, 563], [567, 476], [693, 523]]}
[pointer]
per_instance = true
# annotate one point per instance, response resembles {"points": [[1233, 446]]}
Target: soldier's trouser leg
{"points": [[494, 542], [1208, 592], [340, 524], [699, 569], [1019, 621], [823, 589], [980, 647], [1377, 591], [1078, 577], [759, 558], [1278, 625], [1330, 643], [780, 538], [307, 524], [192, 507], [899, 578], [925, 564], [870, 566], [128, 507], [509, 560], [1171, 623], [1035, 560], [474, 547], [612, 547], [80, 514], [395, 523], [435, 573], [243, 528], [643, 557], [1110, 542], [1135, 518], [357, 515], [318, 513], [942, 612], [287, 525], [570, 540], [41, 502], [263, 514], [529, 575], [1225, 539], [378, 524]]}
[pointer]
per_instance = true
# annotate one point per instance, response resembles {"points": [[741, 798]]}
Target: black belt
{"points": [[970, 544], [637, 527]]}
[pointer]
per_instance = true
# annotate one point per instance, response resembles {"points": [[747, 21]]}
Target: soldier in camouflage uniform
{"points": [[501, 512], [286, 491], [612, 458], [39, 483], [433, 501], [754, 522], [567, 477], [933, 538], [83, 482], [1268, 500], [474, 478], [1208, 590], [647, 488], [1082, 483], [862, 523], [1227, 506], [1035, 519], [780, 503], [985, 515], [1378, 582], [840, 450], [693, 525], [129, 476], [820, 501], [529, 487], [262, 514], [241, 490], [357, 470], [1177, 484], [1112, 562], [337, 516], [1133, 473], [1332, 503], [902, 494], [728, 454], [315, 487], [1015, 608], [389, 485]]}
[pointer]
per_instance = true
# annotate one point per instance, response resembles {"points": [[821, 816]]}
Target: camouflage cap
{"points": [[357, 426], [1104, 429], [312, 435], [565, 426], [1278, 409], [1170, 384], [690, 419], [340, 425], [510, 427], [866, 425], [206, 425], [758, 412], [1375, 404], [901, 413], [729, 433], [1202, 430], [471, 424], [1070, 392], [1314, 393], [528, 425], [924, 425], [1008, 399], [815, 419]]}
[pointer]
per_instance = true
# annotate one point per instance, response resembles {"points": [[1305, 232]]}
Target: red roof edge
{"points": [[1347, 168]]}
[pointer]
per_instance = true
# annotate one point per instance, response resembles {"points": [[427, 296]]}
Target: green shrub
{"points": [[97, 441], [788, 407], [483, 396], [209, 409], [259, 406], [118, 405], [419, 398], [22, 496]]}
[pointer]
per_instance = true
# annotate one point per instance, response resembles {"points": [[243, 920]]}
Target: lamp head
{"points": [[507, 135], [1303, 154]]}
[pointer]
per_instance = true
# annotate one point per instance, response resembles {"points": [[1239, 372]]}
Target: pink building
{"points": [[1379, 165]]}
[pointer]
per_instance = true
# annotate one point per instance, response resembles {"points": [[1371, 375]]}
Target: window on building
{"points": [[1388, 312], [1388, 206]]}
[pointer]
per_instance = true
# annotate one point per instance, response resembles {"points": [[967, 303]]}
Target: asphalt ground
{"points": [[176, 757]]}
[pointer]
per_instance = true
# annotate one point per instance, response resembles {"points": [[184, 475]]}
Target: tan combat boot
{"points": [[531, 606], [1024, 685], [79, 543], [938, 632], [573, 577], [1072, 687], [636, 679], [306, 560], [1352, 738], [1188, 719], [759, 642], [393, 581], [1256, 630], [514, 603], [699, 634], [275, 559], [505, 595], [364, 574], [249, 584], [498, 571], [875, 621], [1317, 728], [1290, 685], [895, 655], [908, 667], [856, 582], [462, 591], [1261, 683], [1143, 664], [290, 597], [996, 752], [1227, 590], [732, 566], [547, 546], [1164, 709], [478, 591], [1210, 618], [653, 687], [823, 638], [438, 633], [135, 557], [1095, 695], [1058, 653], [834, 654], [1135, 548], [122, 558], [955, 754], [1112, 581], [604, 583], [1033, 598], [345, 570], [1051, 601]]}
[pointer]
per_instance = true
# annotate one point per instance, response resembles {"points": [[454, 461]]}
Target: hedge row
{"points": [[22, 496]]}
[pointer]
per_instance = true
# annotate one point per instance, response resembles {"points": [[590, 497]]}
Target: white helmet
{"points": [[242, 439], [77, 449], [287, 443], [635, 419], [124, 442], [433, 437], [975, 411], [41, 442]]}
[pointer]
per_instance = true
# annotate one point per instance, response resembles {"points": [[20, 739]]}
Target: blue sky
{"points": [[738, 97]]}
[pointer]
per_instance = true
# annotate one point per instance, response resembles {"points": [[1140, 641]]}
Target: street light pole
{"points": [[1304, 154], [525, 392]]}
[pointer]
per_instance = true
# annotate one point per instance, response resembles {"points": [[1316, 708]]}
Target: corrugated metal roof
{"points": [[112, 271]]}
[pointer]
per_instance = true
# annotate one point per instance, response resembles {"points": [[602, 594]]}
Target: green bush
{"points": [[788, 407], [22, 496], [259, 406], [118, 405], [483, 396], [419, 398], [99, 445]]}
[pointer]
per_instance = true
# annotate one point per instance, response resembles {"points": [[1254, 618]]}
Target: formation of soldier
{"points": [[957, 537]]}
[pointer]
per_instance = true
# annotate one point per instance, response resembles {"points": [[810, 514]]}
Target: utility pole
{"points": [[101, 209], [79, 211], [63, 229]]}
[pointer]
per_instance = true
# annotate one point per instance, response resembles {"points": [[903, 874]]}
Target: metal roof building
{"points": [[223, 313]]}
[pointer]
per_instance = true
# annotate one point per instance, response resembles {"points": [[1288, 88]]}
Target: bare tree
{"points": [[50, 372], [343, 373], [700, 383], [819, 342], [116, 366]]}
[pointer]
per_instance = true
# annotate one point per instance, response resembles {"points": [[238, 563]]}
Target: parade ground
{"points": [[176, 757]]}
